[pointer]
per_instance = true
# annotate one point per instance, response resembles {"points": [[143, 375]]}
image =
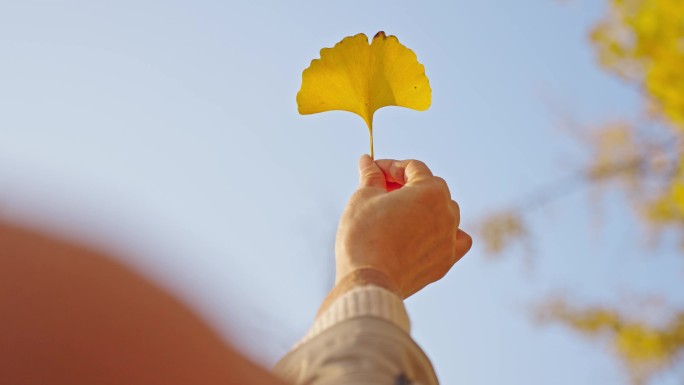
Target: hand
{"points": [[409, 235]]}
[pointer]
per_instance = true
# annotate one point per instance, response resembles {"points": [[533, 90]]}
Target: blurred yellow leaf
{"points": [[500, 230], [616, 152], [668, 208], [645, 349], [359, 77]]}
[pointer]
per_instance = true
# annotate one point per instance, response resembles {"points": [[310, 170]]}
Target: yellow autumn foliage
{"points": [[645, 349], [668, 208], [643, 41], [500, 230]]}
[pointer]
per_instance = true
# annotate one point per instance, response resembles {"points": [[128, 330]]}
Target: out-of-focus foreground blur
{"points": [[168, 134]]}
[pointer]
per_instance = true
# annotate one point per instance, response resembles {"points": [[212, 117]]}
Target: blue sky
{"points": [[168, 132]]}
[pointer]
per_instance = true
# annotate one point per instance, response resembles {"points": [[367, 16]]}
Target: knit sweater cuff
{"points": [[362, 301]]}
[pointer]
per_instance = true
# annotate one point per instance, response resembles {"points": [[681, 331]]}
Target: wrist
{"points": [[362, 276]]}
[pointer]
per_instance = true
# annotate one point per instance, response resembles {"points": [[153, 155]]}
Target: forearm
{"points": [[360, 335], [361, 350], [389, 245]]}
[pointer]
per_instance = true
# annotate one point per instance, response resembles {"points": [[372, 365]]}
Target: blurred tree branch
{"points": [[642, 42]]}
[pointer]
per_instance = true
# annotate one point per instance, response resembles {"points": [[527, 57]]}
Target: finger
{"points": [[404, 171], [386, 166], [463, 243], [370, 175], [457, 212], [443, 185]]}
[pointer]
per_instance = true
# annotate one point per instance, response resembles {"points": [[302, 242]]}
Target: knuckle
{"points": [[456, 207], [442, 184], [415, 163], [419, 167]]}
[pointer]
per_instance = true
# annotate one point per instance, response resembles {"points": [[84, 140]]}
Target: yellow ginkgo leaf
{"points": [[361, 78]]}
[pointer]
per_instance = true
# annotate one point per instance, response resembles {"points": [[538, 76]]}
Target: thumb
{"points": [[370, 175]]}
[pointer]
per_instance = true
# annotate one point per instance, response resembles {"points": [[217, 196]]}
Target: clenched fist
{"points": [[400, 224]]}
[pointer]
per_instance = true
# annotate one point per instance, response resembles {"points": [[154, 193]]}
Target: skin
{"points": [[398, 231], [71, 315]]}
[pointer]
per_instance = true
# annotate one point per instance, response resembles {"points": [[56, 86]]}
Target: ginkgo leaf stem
{"points": [[370, 133]]}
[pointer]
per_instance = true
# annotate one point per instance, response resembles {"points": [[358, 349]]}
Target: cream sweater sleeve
{"points": [[362, 338], [371, 301]]}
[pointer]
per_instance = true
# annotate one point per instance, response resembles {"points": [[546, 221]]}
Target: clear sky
{"points": [[168, 132]]}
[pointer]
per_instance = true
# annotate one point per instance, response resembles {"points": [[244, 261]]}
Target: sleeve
{"points": [[363, 338]]}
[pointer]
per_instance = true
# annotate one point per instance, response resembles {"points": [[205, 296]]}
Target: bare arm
{"points": [[71, 315]]}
